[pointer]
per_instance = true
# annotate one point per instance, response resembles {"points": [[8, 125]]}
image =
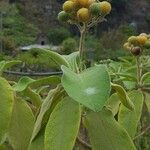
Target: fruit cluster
{"points": [[136, 44], [83, 10]]}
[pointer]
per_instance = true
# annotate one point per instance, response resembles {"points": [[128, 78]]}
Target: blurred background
{"points": [[26, 24]]}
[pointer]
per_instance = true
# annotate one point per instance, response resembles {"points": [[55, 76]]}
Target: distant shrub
{"points": [[69, 45], [17, 27], [57, 35]]}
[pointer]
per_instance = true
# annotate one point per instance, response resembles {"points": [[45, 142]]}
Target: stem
{"points": [[139, 71], [84, 143], [81, 44]]}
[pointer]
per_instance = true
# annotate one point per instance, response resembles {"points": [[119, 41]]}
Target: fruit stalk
{"points": [[82, 39], [139, 71]]}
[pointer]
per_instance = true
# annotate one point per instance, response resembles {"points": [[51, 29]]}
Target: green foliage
{"points": [[6, 105], [16, 27], [63, 125], [91, 94], [21, 125], [69, 45], [105, 132], [129, 120], [58, 35]]}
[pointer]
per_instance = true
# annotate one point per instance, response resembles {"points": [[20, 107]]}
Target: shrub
{"points": [[69, 45], [57, 35]]}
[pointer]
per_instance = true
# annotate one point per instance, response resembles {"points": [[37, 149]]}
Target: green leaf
{"points": [[127, 76], [63, 125], [123, 96], [73, 60], [25, 82], [105, 133], [21, 125], [146, 78], [147, 100], [90, 88], [6, 105], [54, 96], [129, 119], [22, 84], [35, 97], [57, 58], [113, 103], [7, 64], [38, 142]]}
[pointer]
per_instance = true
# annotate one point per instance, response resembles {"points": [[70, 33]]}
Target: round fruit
{"points": [[147, 44], [94, 9], [63, 16], [141, 40], [83, 3], [83, 15], [136, 51], [127, 46], [90, 2], [143, 34], [68, 6], [132, 40], [105, 7]]}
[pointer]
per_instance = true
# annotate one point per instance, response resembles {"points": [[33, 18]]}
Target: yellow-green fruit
{"points": [[90, 2], [127, 46], [83, 15], [141, 40], [63, 16], [132, 40], [94, 9], [68, 6], [83, 3], [147, 44], [105, 7], [143, 34]]}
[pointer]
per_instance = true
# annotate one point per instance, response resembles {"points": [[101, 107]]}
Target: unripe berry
{"points": [[147, 44], [68, 6], [141, 40], [90, 2], [105, 7], [83, 15], [63, 16], [94, 9], [127, 46], [132, 40], [136, 51]]}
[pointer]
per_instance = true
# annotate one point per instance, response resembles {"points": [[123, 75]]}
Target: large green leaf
{"points": [[90, 88], [6, 105], [57, 58], [25, 82], [21, 125], [147, 100], [63, 125], [123, 96], [105, 133], [129, 119], [54, 96], [113, 103], [7, 64]]}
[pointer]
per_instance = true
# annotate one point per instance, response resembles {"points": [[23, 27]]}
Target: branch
{"points": [[33, 73], [84, 143], [143, 132]]}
